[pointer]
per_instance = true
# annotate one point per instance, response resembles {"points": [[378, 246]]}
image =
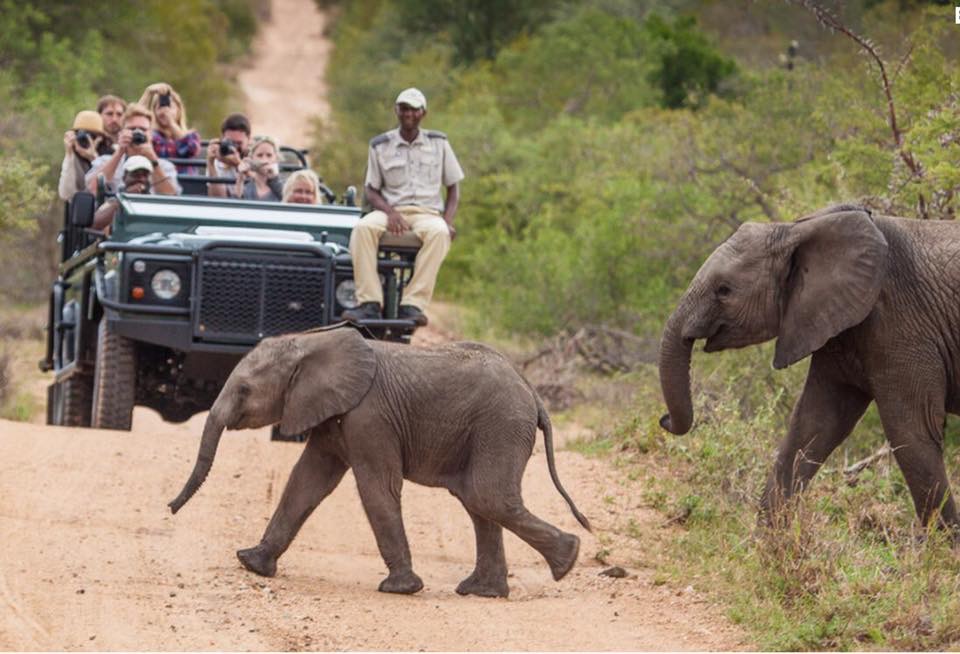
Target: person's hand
{"points": [[453, 231], [395, 222], [160, 88], [213, 150], [145, 149], [125, 140], [69, 138], [233, 159], [89, 153], [244, 168], [136, 187]]}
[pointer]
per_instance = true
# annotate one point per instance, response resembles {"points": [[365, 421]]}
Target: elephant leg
{"points": [[915, 434], [314, 476], [825, 414], [379, 486], [559, 548], [489, 577]]}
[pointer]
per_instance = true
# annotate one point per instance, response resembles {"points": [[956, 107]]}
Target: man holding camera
{"points": [[134, 139], [225, 154], [83, 143]]}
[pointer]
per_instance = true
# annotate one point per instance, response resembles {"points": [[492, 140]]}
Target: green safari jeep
{"points": [[159, 312]]}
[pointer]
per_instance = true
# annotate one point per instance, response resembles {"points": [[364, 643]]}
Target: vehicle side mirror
{"points": [[81, 209], [350, 197]]}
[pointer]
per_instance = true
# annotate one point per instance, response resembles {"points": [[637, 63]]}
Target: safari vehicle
{"points": [[159, 312]]}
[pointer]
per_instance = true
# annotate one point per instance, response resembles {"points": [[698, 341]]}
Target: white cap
{"points": [[413, 97], [137, 162]]}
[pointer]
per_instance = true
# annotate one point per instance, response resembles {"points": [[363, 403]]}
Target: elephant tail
{"points": [[543, 422]]}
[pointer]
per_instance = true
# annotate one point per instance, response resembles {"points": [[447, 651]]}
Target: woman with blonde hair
{"points": [[258, 176], [172, 139], [302, 187]]}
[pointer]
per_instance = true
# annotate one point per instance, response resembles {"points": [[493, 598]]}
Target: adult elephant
{"points": [[457, 416], [874, 299]]}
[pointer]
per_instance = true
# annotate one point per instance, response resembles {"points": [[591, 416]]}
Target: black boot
{"points": [[366, 311], [410, 312]]}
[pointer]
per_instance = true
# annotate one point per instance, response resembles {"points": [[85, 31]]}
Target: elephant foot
{"points": [[257, 559], [567, 549], [484, 585], [405, 583]]}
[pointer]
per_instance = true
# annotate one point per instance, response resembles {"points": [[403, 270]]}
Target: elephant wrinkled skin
{"points": [[457, 416], [874, 299]]}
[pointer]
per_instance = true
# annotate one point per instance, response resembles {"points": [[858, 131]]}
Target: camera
{"points": [[83, 138], [139, 137], [164, 100], [227, 147]]}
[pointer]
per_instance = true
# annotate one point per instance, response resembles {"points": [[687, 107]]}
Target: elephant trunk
{"points": [[674, 363], [212, 430]]}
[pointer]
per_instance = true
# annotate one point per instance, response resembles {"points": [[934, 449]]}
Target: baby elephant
{"points": [[457, 416]]}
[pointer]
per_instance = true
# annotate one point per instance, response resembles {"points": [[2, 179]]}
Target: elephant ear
{"points": [[835, 273], [334, 372]]}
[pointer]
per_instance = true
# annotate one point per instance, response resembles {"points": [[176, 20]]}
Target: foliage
{"points": [[608, 151], [57, 58], [477, 28], [21, 196], [848, 569]]}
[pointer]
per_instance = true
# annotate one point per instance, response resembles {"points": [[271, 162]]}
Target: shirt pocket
{"points": [[395, 172], [429, 168]]}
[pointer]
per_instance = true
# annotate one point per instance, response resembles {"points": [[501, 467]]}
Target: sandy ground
{"points": [[285, 86], [92, 559]]}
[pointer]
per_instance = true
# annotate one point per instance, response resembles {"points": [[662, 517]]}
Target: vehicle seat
{"points": [[406, 241]]}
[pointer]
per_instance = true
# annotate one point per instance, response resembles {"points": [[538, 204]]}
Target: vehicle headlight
{"points": [[347, 294], [165, 284]]}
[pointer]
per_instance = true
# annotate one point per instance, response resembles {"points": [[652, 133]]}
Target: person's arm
{"points": [[372, 185], [164, 177], [68, 171], [103, 217], [109, 169], [214, 190], [450, 208], [188, 146]]}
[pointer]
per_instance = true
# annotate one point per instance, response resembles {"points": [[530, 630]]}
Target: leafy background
{"points": [[609, 146]]}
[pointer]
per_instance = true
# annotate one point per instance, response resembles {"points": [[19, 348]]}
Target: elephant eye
{"points": [[723, 290]]}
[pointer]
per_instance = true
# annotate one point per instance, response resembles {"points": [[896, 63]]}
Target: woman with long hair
{"points": [[172, 139]]}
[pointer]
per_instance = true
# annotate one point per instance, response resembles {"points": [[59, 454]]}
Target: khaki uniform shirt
{"points": [[412, 174]]}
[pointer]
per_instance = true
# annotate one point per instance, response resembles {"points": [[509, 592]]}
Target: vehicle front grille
{"points": [[245, 297]]}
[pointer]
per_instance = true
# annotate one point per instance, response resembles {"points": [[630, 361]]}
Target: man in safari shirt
{"points": [[407, 168]]}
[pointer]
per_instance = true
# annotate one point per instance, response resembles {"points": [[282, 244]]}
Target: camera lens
{"points": [[227, 146], [139, 137], [83, 138]]}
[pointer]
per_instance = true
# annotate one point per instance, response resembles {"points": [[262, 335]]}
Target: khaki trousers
{"points": [[429, 227]]}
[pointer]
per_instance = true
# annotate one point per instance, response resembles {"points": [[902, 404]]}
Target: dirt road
{"points": [[92, 559], [285, 86]]}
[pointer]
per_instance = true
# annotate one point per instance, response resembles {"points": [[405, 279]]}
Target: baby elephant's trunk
{"points": [[543, 422], [208, 448]]}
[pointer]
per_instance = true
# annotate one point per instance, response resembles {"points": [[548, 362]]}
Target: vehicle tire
{"points": [[68, 401], [114, 380]]}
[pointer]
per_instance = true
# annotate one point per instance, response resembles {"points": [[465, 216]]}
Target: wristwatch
{"points": [[155, 162]]}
